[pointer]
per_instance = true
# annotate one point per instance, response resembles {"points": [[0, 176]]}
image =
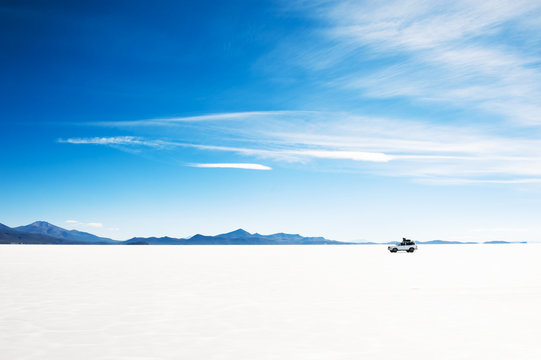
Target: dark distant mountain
{"points": [[239, 237], [246, 239], [243, 238], [278, 238], [505, 242], [237, 234], [444, 242], [12, 236], [194, 240], [44, 228], [153, 241], [293, 238]]}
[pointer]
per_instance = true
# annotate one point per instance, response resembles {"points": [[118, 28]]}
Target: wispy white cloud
{"points": [[245, 166], [442, 180], [345, 155], [95, 224], [501, 230], [469, 54], [299, 155], [430, 153], [89, 224], [171, 121], [117, 140]]}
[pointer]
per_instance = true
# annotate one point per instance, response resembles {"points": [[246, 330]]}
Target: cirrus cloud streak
{"points": [[476, 56], [332, 141], [245, 166]]}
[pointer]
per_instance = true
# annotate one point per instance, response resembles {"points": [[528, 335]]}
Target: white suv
{"points": [[405, 245]]}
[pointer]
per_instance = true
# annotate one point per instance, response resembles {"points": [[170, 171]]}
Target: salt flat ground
{"points": [[270, 302]]}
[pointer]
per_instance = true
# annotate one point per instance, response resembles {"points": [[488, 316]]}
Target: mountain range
{"points": [[42, 232]]}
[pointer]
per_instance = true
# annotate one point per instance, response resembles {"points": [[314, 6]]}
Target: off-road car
{"points": [[405, 245]]}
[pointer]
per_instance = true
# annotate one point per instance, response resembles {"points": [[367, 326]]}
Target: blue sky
{"points": [[347, 119]]}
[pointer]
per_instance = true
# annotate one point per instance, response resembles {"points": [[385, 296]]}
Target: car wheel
{"points": [[394, 250], [411, 250]]}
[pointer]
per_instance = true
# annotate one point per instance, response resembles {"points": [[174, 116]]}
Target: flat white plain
{"points": [[270, 302]]}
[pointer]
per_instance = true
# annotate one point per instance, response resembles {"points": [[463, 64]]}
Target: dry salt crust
{"points": [[270, 302]]}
